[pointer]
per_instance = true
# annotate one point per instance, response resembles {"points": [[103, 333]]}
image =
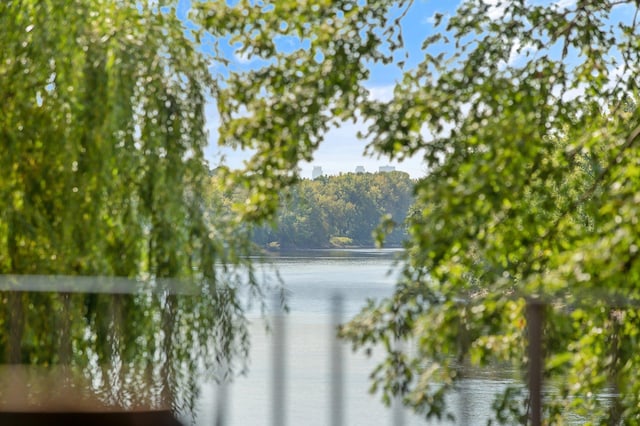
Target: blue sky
{"points": [[341, 150]]}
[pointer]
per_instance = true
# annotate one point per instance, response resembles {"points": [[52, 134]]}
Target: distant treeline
{"points": [[341, 210]]}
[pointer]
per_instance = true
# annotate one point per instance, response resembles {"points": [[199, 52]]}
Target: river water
{"points": [[311, 278]]}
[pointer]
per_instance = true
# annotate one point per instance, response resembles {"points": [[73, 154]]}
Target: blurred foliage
{"points": [[102, 174], [525, 114], [343, 210], [528, 124]]}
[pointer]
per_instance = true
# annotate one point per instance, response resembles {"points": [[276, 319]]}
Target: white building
{"points": [[385, 169], [317, 172], [360, 169]]}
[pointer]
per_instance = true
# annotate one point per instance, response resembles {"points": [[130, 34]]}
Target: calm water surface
{"points": [[311, 278]]}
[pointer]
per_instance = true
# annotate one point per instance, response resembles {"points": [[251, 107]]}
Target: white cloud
{"points": [[243, 58], [496, 8], [431, 20], [565, 4], [340, 152], [573, 93], [381, 93], [621, 73], [518, 52]]}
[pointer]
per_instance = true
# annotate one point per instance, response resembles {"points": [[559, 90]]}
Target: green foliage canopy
{"points": [[532, 194], [102, 174], [523, 122], [524, 114], [348, 208]]}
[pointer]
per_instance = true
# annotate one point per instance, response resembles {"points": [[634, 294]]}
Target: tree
{"points": [[532, 186], [102, 174], [347, 206], [531, 191], [531, 197], [102, 170]]}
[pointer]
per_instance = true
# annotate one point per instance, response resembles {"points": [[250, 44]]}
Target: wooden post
{"points": [[65, 331], [16, 327]]}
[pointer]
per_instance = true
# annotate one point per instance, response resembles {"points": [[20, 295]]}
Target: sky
{"points": [[341, 150]]}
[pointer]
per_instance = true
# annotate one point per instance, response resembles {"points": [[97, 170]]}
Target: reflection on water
{"points": [[311, 278], [308, 386]]}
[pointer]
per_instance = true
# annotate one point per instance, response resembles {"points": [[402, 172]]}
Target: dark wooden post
{"points": [[65, 331], [16, 327]]}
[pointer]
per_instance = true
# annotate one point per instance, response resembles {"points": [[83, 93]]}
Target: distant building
{"points": [[317, 172], [359, 169], [385, 169]]}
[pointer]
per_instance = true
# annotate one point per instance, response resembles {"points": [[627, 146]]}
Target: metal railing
{"points": [[535, 316], [532, 382], [278, 375]]}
